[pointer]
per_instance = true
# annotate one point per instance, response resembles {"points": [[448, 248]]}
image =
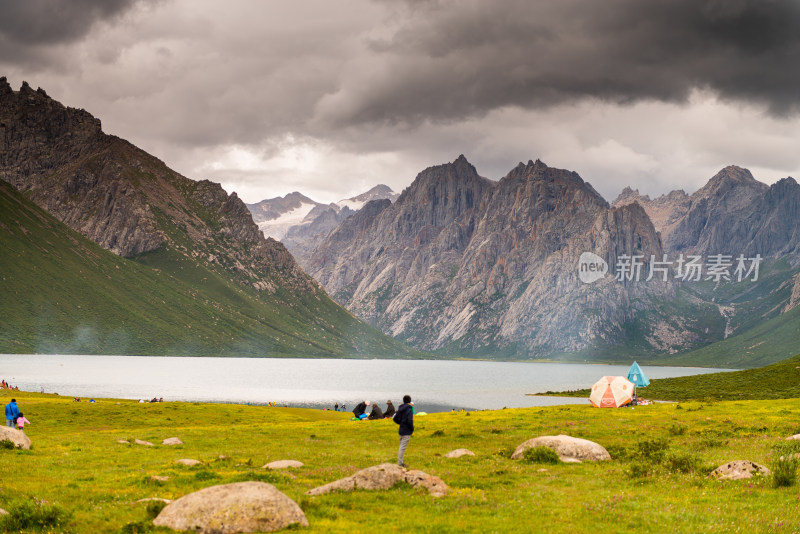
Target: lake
{"points": [[435, 385]]}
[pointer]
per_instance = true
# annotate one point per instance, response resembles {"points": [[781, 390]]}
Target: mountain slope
{"points": [[230, 290]]}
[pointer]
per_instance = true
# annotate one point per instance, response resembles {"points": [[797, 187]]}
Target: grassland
{"points": [[656, 482]]}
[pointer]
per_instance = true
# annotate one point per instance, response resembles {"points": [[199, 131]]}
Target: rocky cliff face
{"points": [[463, 263], [732, 214], [128, 201]]}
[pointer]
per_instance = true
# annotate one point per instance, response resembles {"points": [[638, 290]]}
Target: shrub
{"points": [[6, 444], [682, 463], [540, 455], [33, 514], [205, 475], [138, 527], [154, 508], [638, 470], [504, 452], [617, 452], [784, 464], [678, 429], [437, 434], [652, 450]]}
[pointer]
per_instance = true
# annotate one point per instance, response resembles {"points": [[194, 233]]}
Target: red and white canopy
{"points": [[611, 392]]}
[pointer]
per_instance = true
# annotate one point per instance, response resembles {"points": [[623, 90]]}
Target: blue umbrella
{"points": [[638, 377]]}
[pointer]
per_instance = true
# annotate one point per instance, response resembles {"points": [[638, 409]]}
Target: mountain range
{"points": [[460, 264]]}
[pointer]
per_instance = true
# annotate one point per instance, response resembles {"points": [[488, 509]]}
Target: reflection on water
{"points": [[435, 385]]}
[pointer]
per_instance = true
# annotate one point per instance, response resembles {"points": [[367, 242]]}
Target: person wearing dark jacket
{"points": [[360, 409], [376, 413], [389, 409], [405, 418]]}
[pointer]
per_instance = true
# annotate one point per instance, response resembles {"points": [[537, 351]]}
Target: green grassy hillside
{"points": [[61, 293], [78, 474]]}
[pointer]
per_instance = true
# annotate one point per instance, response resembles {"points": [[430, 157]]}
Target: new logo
{"points": [[591, 267]]}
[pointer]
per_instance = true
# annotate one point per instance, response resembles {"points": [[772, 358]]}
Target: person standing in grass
{"points": [[405, 418], [12, 412]]}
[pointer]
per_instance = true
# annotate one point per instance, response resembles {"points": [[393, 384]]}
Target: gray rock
{"points": [[435, 485], [17, 437], [123, 441], [796, 436], [159, 478], [569, 449], [145, 443], [283, 464], [232, 508], [458, 453], [738, 470], [378, 477], [188, 461], [172, 441], [383, 477]]}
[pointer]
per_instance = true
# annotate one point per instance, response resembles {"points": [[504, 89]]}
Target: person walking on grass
{"points": [[22, 421], [405, 418], [12, 412]]}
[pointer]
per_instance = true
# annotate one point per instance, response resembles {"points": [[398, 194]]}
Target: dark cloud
{"points": [[449, 60], [35, 22]]}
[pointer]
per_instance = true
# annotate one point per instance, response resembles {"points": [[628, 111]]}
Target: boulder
{"points": [[172, 441], [458, 453], [738, 470], [188, 461], [17, 437], [145, 443], [433, 484], [383, 477], [796, 436], [232, 508], [569, 449], [283, 464]]}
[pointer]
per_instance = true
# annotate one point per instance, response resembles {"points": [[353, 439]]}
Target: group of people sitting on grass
{"points": [[360, 411], [6, 385]]}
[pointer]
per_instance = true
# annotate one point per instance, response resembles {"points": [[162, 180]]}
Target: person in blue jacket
{"points": [[405, 418], [12, 412]]}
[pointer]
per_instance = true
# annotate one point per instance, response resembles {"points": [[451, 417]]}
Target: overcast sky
{"points": [[332, 97]]}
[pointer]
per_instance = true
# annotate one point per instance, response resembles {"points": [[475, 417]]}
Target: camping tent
{"points": [[611, 392], [637, 376]]}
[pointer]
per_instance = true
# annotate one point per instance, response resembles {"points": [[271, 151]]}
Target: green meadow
{"points": [[77, 478]]}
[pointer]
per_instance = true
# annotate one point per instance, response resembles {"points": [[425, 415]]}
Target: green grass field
{"points": [[656, 482]]}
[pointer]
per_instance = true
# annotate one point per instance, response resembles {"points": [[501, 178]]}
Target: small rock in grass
{"points": [[283, 464], [232, 508], [188, 461], [3, 512], [796, 436], [738, 470], [124, 441], [172, 441], [458, 453], [435, 485], [159, 478], [159, 499], [140, 442]]}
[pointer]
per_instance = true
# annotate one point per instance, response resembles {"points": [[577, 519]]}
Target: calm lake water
{"points": [[314, 383]]}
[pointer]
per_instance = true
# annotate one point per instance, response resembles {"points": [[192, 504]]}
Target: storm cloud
{"points": [[330, 98], [453, 59]]}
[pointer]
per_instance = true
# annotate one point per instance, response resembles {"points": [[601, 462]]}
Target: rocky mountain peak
{"points": [[729, 178]]}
